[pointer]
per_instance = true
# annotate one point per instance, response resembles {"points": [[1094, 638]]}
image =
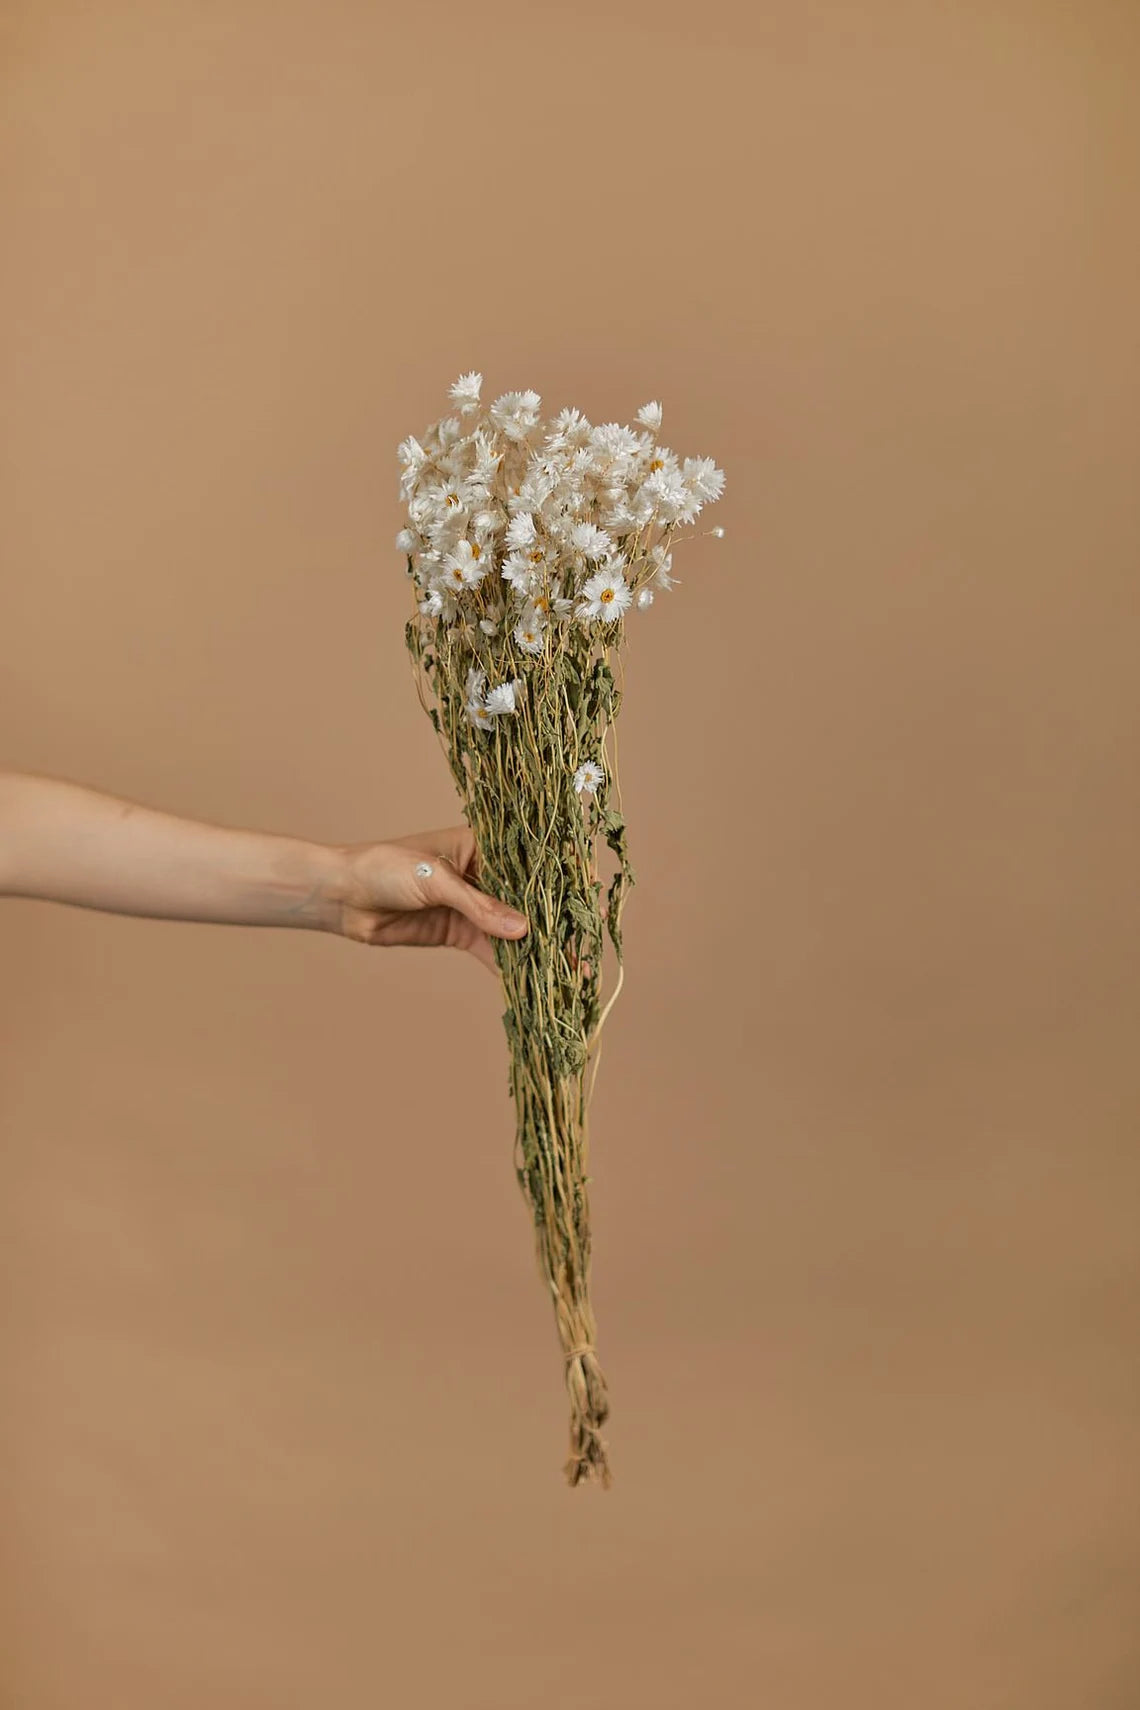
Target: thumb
{"points": [[447, 886]]}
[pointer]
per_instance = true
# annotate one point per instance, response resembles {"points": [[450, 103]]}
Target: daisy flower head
{"points": [[478, 715], [703, 479], [465, 392], [432, 603], [420, 510], [528, 632], [649, 416], [605, 595], [590, 540], [645, 599], [537, 487], [515, 413], [673, 497], [663, 575], [413, 458], [518, 571], [501, 699], [521, 532], [620, 520], [486, 460], [571, 426], [406, 540], [410, 452], [613, 440], [449, 497], [465, 566], [588, 777]]}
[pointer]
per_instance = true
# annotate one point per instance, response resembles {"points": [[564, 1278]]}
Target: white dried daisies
{"points": [[565, 520], [518, 527]]}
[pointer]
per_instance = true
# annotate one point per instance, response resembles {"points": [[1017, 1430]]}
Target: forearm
{"points": [[66, 843]]}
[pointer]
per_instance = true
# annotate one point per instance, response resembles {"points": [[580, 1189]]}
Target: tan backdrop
{"points": [[283, 1420]]}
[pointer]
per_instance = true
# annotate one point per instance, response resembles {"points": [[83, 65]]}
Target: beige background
{"points": [[283, 1420]]}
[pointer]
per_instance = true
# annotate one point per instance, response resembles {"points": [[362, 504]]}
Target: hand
{"points": [[380, 899]]}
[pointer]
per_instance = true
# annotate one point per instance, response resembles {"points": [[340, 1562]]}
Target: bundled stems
{"points": [[536, 840]]}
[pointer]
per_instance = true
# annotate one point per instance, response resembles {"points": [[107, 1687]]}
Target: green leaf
{"points": [[582, 915]]}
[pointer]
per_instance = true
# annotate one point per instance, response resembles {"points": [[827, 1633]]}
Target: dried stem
{"points": [[537, 849]]}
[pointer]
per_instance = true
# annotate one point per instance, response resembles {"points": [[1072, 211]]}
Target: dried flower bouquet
{"points": [[528, 544]]}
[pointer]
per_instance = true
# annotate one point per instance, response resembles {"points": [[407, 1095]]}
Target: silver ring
{"points": [[424, 869]]}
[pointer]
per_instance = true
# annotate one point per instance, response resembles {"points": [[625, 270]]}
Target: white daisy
{"points": [[620, 520], [478, 715], [515, 413], [536, 489], [432, 603], [605, 595], [590, 540], [465, 391], [501, 699], [528, 633], [522, 531], [614, 440], [703, 476], [449, 497], [588, 776], [465, 566], [571, 424], [406, 540], [488, 627], [645, 598], [518, 571], [649, 416], [487, 460], [672, 497]]}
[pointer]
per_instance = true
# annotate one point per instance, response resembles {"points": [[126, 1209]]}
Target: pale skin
{"points": [[65, 842]]}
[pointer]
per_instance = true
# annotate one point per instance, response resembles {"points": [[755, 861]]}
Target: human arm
{"points": [[65, 842]]}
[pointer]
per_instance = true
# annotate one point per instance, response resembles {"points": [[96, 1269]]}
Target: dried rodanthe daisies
{"points": [[529, 545]]}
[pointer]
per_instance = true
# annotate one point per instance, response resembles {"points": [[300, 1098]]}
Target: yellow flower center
{"points": [[476, 550], [607, 595], [657, 464]]}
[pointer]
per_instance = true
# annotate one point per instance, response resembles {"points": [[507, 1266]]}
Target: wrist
{"points": [[310, 880]]}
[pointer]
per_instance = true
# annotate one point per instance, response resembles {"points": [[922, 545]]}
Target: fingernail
{"points": [[514, 922]]}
